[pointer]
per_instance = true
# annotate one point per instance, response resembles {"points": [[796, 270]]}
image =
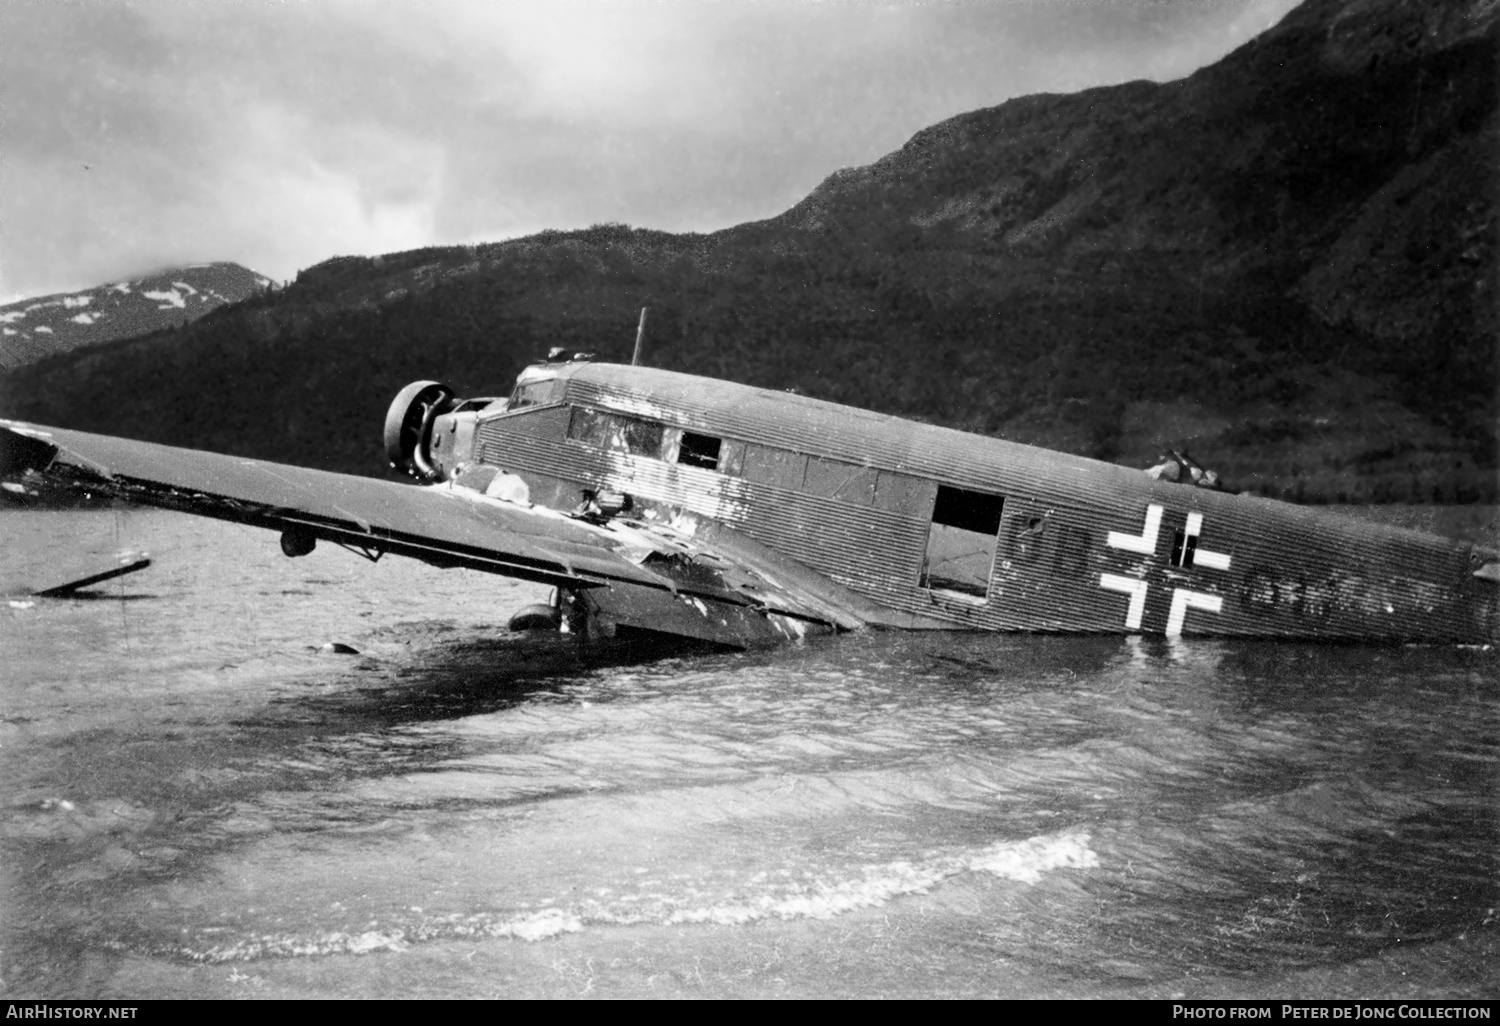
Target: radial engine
{"points": [[428, 430]]}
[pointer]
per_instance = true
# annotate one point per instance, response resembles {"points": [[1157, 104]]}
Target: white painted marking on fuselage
{"points": [[1182, 601], [1203, 557], [1212, 560], [1143, 542], [1135, 588]]}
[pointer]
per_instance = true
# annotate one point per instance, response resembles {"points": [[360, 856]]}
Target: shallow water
{"points": [[199, 802]]}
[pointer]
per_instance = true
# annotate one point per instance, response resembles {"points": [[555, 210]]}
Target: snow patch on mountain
{"points": [[119, 309], [167, 299]]}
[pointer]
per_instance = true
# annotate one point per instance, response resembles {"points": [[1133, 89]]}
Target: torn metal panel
{"points": [[605, 610]]}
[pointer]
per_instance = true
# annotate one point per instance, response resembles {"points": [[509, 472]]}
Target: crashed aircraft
{"points": [[659, 501]]}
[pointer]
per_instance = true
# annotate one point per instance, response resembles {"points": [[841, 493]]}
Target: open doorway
{"points": [[961, 542]]}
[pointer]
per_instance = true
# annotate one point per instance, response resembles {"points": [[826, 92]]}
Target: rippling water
{"points": [[200, 802]]}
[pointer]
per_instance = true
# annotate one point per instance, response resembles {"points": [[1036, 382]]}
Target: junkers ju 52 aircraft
{"points": [[660, 501]]}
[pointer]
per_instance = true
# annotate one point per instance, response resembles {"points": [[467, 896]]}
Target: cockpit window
{"points": [[532, 393]]}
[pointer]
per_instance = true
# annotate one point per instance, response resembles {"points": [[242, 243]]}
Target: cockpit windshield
{"points": [[534, 387]]}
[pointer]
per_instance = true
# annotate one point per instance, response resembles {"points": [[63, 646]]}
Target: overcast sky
{"points": [[278, 134]]}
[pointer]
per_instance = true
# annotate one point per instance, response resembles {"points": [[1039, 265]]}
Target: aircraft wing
{"points": [[633, 574]]}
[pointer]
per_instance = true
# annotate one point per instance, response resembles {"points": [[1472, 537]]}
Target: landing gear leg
{"points": [[582, 618]]}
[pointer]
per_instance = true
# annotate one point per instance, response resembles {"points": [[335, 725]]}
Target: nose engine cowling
{"points": [[408, 428]]}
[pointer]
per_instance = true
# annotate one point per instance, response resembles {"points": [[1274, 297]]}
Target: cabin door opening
{"points": [[961, 543]]}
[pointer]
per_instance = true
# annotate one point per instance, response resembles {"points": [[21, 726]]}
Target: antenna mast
{"points": [[640, 340]]}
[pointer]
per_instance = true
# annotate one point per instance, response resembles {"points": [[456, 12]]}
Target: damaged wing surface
{"points": [[643, 575]]}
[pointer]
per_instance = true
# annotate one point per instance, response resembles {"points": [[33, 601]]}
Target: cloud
{"points": [[144, 139], [146, 134], [349, 188]]}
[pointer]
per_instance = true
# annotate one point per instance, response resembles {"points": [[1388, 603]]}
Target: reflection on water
{"points": [[192, 783]]}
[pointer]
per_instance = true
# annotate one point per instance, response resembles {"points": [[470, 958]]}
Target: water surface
{"points": [[200, 801]]}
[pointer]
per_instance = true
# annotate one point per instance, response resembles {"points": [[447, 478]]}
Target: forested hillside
{"points": [[1284, 262]]}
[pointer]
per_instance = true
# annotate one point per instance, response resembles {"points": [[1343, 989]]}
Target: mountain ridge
{"points": [[43, 326]]}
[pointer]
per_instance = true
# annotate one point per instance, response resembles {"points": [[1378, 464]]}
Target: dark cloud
{"points": [[280, 134]]}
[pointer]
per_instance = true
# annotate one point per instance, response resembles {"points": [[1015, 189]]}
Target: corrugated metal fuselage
{"points": [[948, 529]]}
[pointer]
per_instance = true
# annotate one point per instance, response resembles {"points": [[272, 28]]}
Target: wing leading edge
{"points": [[631, 574]]}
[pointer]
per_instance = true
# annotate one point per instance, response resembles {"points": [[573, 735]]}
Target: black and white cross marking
{"points": [[1186, 554]]}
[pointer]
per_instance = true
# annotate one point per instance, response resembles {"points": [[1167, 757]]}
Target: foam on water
{"points": [[533, 927], [781, 895], [1022, 861]]}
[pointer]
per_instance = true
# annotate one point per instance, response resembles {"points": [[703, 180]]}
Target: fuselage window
{"points": [[588, 425], [780, 467], [615, 432], [902, 493], [642, 437], [961, 541], [699, 451], [844, 482]]}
